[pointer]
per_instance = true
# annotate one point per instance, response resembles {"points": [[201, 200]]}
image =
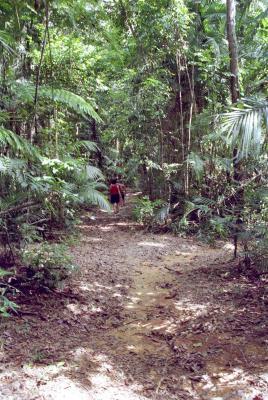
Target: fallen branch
{"points": [[39, 221], [19, 208], [132, 321]]}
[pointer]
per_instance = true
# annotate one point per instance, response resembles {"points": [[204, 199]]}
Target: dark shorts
{"points": [[115, 198]]}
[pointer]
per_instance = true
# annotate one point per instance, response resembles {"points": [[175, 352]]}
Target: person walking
{"points": [[115, 195], [123, 191]]}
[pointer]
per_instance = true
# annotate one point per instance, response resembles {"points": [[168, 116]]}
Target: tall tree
{"points": [[232, 44]]}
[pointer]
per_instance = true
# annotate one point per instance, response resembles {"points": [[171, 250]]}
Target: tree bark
{"points": [[178, 64], [234, 83], [95, 137], [38, 76], [192, 107], [234, 89], [233, 53]]}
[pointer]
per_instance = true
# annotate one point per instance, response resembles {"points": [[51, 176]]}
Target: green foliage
{"points": [[6, 306], [197, 164], [256, 239], [259, 254], [244, 125], [202, 216], [134, 89], [146, 211], [18, 144], [47, 264], [25, 92]]}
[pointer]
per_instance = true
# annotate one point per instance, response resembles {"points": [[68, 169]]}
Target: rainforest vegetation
{"points": [[169, 95]]}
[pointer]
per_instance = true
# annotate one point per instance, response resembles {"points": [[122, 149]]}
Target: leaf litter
{"points": [[147, 317]]}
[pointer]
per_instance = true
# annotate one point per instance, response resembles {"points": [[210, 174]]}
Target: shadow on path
{"points": [[147, 317]]}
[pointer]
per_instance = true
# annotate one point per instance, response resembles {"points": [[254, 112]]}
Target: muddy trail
{"points": [[148, 316]]}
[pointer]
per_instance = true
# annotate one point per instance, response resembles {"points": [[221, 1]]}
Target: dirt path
{"points": [[147, 317]]}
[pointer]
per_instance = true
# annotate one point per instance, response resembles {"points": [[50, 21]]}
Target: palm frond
{"points": [[17, 143], [6, 41], [244, 126], [196, 163], [100, 186], [86, 145], [162, 214], [92, 196], [93, 172], [202, 205]]}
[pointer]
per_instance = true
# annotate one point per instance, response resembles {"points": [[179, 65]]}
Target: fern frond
{"points": [[9, 166], [191, 206], [205, 201], [25, 91], [14, 199], [71, 100]]}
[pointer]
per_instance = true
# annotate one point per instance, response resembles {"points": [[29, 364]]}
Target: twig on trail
{"points": [[171, 295], [173, 270], [243, 355], [86, 328], [133, 320], [21, 313], [159, 385], [161, 380], [4, 284], [68, 295]]}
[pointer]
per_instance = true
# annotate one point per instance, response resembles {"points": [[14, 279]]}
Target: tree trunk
{"points": [[95, 137], [234, 89], [178, 64], [192, 107], [233, 54], [234, 83]]}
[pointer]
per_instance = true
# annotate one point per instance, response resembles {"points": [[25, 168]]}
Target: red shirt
{"points": [[114, 188]]}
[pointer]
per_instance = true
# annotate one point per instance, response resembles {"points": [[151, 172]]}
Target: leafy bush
{"points": [[5, 304], [47, 264], [259, 255], [145, 211], [206, 218]]}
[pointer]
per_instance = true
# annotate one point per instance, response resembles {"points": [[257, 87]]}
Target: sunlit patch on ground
{"points": [[150, 317], [121, 224], [151, 244], [106, 228], [228, 246], [92, 240], [196, 309]]}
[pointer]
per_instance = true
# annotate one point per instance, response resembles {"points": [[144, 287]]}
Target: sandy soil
{"points": [[146, 317]]}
